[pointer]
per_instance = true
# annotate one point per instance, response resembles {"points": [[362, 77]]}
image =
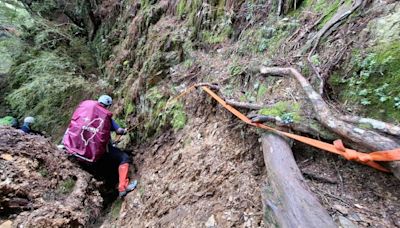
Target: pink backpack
{"points": [[88, 133]]}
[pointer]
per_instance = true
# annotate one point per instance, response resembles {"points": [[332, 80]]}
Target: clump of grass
{"points": [[66, 186]]}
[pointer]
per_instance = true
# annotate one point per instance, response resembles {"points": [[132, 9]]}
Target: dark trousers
{"points": [[106, 168]]}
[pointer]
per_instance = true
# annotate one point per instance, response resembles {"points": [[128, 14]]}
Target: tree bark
{"points": [[287, 200]]}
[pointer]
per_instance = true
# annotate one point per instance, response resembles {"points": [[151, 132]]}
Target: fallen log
{"points": [[365, 138], [287, 201]]}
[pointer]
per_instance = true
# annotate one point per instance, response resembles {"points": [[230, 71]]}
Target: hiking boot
{"points": [[128, 189]]}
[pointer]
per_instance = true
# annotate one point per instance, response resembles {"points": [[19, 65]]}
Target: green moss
{"points": [[159, 115], [374, 83], [329, 10], [266, 38], [284, 110], [66, 186], [129, 109], [7, 121], [262, 89], [181, 8], [235, 69], [116, 208], [178, 116], [327, 7], [216, 37]]}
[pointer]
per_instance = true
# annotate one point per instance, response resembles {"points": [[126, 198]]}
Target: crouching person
{"points": [[88, 137]]}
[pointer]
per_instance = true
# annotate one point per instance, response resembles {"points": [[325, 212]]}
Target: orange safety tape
{"points": [[337, 147]]}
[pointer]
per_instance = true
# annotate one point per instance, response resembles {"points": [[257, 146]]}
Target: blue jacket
{"points": [[25, 128], [114, 125]]}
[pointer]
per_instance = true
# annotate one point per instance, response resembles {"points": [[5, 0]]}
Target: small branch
{"points": [[245, 105], [213, 86], [317, 177]]}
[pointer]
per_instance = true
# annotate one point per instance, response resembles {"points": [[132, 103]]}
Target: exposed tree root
{"points": [[287, 201], [342, 13], [364, 138]]}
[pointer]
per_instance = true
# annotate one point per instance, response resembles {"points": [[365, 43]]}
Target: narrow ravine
{"points": [[197, 164]]}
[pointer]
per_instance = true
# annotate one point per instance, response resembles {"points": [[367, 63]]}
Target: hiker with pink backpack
{"points": [[88, 138]]}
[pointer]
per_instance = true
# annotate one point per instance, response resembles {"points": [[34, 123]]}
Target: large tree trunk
{"points": [[287, 201]]}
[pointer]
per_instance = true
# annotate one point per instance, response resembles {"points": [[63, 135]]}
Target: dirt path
{"points": [[205, 174]]}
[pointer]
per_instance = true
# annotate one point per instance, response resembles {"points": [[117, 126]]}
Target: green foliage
{"points": [[315, 59], [287, 111], [44, 7], [66, 186], [7, 121], [178, 116], [235, 69], [374, 82], [45, 85], [45, 64], [181, 8], [267, 37], [14, 14], [262, 89], [14, 17], [218, 37], [129, 109]]}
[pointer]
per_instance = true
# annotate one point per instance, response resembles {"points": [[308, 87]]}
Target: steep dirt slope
{"points": [[209, 173]]}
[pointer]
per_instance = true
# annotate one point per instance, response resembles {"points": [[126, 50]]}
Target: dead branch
{"points": [[375, 124], [213, 86], [245, 105], [362, 137], [314, 176], [287, 200]]}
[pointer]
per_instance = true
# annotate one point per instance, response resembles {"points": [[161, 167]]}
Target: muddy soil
{"points": [[40, 187]]}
